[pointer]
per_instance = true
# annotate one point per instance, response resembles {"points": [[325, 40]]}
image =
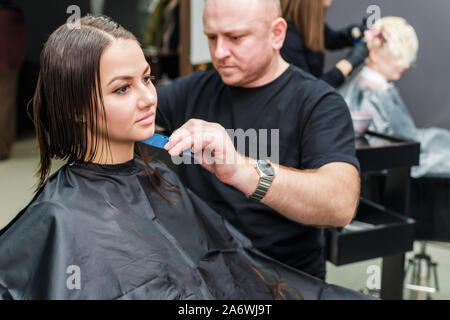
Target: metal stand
{"points": [[423, 269]]}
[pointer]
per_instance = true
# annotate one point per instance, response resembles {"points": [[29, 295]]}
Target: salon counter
{"points": [[382, 226]]}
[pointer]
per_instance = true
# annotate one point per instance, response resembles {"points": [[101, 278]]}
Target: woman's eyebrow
{"points": [[127, 77], [147, 69]]}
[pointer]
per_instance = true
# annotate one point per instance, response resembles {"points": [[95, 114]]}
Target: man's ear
{"points": [[279, 27]]}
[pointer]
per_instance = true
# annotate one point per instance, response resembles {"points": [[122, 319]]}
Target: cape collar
{"points": [[126, 168], [374, 80]]}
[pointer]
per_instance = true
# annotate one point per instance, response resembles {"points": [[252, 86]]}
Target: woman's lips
{"points": [[148, 119]]}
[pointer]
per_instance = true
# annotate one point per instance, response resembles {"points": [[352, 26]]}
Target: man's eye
{"points": [[236, 38], [122, 90], [212, 38]]}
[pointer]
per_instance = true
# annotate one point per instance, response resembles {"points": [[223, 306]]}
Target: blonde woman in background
{"points": [[393, 46]]}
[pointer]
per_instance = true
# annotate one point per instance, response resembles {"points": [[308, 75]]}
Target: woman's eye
{"points": [[122, 90], [149, 79]]}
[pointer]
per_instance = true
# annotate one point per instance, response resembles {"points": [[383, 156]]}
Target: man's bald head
{"points": [[245, 37], [276, 7], [273, 7], [267, 9]]}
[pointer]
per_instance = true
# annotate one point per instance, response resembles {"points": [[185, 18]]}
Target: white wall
{"points": [[199, 42]]}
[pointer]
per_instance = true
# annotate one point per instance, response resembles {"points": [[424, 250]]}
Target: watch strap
{"points": [[263, 187]]}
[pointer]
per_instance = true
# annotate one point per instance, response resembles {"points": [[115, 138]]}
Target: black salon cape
{"points": [[107, 225]]}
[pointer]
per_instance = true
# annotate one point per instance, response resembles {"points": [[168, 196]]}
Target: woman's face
{"points": [[128, 93]]}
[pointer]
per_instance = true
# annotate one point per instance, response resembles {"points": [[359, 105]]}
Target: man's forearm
{"points": [[324, 197]]}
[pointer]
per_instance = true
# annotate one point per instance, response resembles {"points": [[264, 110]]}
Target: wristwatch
{"points": [[266, 175]]}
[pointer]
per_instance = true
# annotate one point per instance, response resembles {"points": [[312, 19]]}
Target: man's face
{"points": [[240, 40]]}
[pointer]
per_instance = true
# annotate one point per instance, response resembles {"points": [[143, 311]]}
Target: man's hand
{"points": [[215, 151]]}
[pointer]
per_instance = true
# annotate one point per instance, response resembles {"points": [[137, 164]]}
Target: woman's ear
{"points": [[374, 56], [279, 27]]}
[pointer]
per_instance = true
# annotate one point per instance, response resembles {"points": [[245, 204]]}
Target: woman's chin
{"points": [[147, 134], [395, 77]]}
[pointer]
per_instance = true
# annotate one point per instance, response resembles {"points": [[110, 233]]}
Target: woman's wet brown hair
{"points": [[68, 98]]}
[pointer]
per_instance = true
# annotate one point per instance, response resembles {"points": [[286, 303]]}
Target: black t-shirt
{"points": [[315, 128]]}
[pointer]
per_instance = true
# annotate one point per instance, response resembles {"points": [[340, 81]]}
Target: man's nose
{"points": [[222, 51]]}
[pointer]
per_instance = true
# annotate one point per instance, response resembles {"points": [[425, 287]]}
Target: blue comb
{"points": [[159, 141]]}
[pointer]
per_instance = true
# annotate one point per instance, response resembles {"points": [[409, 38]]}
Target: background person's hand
{"points": [[355, 31], [354, 58], [358, 54]]}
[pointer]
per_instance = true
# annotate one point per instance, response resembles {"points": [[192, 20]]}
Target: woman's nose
{"points": [[147, 98]]}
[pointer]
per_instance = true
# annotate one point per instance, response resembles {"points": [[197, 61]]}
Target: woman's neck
{"points": [[115, 153], [372, 79], [372, 66]]}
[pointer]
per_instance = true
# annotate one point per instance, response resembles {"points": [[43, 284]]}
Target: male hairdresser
{"points": [[282, 207]]}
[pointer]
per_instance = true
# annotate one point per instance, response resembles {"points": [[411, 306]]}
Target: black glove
{"points": [[358, 54], [355, 31]]}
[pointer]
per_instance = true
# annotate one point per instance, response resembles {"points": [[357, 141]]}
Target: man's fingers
{"points": [[191, 127], [196, 143], [208, 141], [179, 145], [178, 136]]}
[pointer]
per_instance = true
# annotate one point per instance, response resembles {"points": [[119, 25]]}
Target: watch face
{"points": [[266, 167]]}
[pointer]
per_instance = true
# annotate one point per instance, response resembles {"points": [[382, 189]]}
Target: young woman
{"points": [[393, 45], [308, 36], [110, 224]]}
